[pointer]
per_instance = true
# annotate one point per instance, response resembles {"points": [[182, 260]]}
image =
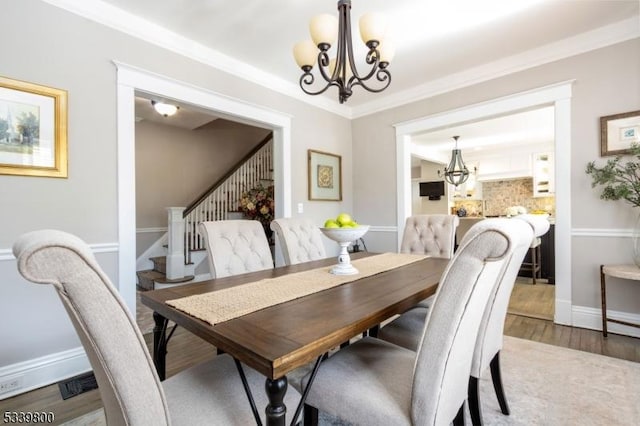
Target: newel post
{"points": [[175, 255]]}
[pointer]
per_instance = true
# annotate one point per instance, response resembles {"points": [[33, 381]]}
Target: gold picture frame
{"points": [[325, 176], [618, 132], [33, 129]]}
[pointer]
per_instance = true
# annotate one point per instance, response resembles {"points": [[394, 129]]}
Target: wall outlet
{"points": [[300, 208], [10, 384]]}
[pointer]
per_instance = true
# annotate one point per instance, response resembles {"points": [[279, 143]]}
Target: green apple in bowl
{"points": [[331, 223], [344, 219]]}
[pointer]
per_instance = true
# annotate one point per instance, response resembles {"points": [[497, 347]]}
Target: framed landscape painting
{"points": [[33, 129], [325, 176], [618, 132]]}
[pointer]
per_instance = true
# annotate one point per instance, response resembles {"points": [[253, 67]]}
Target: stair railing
{"points": [[224, 196]]}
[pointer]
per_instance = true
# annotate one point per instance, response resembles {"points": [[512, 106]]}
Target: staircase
{"points": [[220, 202], [148, 279]]}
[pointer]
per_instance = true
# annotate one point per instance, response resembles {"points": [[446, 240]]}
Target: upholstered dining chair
{"points": [[431, 234], [375, 382], [406, 330], [131, 392], [236, 247], [300, 240]]}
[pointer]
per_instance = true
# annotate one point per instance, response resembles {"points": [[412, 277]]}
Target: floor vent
{"points": [[77, 385]]}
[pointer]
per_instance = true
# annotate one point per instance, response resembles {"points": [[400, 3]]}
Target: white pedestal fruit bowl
{"points": [[344, 237]]}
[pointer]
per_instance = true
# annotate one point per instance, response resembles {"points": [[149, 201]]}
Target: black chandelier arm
{"points": [[383, 75], [323, 63], [307, 79]]}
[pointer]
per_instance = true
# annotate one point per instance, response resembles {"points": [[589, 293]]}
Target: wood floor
{"points": [[185, 350]]}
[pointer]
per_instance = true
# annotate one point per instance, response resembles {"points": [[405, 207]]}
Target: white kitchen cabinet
{"points": [[506, 166], [543, 174]]}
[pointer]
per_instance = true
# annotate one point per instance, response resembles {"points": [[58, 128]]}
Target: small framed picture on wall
{"points": [[618, 132], [325, 176]]}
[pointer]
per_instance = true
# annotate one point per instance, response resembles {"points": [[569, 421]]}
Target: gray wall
{"points": [[607, 82], [175, 166], [48, 46]]}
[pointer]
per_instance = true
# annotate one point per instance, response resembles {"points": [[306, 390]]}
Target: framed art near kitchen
{"points": [[325, 176], [618, 132], [33, 129]]}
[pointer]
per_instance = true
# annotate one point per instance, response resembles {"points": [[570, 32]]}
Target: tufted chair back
{"points": [[489, 342], [236, 247], [300, 239], [432, 234], [445, 351]]}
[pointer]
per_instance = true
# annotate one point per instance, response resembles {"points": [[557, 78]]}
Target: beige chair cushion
{"points": [[209, 393], [300, 240], [433, 235], [367, 382], [406, 330], [236, 247]]}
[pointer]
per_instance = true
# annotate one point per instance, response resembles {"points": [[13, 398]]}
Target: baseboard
{"points": [[35, 373], [591, 318], [563, 312]]}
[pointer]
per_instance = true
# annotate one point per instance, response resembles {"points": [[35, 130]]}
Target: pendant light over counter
{"points": [[456, 173]]}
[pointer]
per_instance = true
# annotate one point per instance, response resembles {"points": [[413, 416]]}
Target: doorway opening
{"points": [[510, 164], [133, 80], [557, 96]]}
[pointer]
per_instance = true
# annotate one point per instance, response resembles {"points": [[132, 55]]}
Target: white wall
{"points": [[55, 48]]}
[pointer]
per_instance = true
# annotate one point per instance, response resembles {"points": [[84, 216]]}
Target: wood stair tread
{"points": [[165, 280]]}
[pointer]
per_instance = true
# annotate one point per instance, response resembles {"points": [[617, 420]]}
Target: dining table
{"points": [[279, 338]]}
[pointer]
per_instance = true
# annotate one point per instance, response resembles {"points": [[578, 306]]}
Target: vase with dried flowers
{"points": [[257, 204], [621, 181]]}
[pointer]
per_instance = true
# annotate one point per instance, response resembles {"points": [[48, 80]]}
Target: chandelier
{"points": [[341, 70], [457, 173]]}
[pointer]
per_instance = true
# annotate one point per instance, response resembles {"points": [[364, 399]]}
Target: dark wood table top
{"points": [[278, 339]]}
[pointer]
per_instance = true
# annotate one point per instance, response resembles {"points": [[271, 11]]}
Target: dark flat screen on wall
{"points": [[434, 190]]}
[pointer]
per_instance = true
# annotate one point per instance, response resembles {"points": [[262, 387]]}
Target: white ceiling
{"points": [[442, 45], [186, 117], [527, 130], [436, 40]]}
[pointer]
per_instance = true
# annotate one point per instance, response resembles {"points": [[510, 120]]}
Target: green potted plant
{"points": [[620, 180]]}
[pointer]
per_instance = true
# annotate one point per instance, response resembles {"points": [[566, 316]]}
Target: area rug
{"points": [[545, 385]]}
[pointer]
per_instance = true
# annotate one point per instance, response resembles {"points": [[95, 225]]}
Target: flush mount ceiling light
{"points": [[164, 108], [341, 71], [456, 173]]}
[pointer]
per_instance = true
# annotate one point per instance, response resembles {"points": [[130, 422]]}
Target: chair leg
{"points": [[310, 415], [473, 396], [496, 377], [373, 331], [458, 420]]}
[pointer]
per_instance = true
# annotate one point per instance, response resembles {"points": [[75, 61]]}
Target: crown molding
{"points": [[115, 18], [582, 43], [120, 20]]}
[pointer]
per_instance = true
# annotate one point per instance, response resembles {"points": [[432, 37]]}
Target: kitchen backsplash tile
{"points": [[498, 195]]}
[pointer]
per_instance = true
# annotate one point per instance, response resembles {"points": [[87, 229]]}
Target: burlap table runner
{"points": [[222, 305]]}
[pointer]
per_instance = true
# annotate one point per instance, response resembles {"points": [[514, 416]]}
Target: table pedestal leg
{"points": [[276, 410], [160, 344]]}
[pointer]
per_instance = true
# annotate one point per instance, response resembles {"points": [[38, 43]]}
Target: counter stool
{"points": [[535, 265]]}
